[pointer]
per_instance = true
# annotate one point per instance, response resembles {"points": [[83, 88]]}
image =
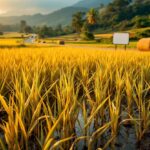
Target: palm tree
{"points": [[92, 16], [77, 21]]}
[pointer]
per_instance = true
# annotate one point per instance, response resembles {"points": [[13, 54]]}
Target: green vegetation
{"points": [[124, 14], [1, 33], [91, 3], [142, 34], [24, 28], [87, 36], [82, 25], [78, 21], [46, 31]]}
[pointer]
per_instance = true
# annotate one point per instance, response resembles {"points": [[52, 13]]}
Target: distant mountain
{"points": [[32, 20], [91, 3], [62, 16]]}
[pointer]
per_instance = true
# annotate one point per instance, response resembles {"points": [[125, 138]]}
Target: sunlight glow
{"points": [[2, 11]]}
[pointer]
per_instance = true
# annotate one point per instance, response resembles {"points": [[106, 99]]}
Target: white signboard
{"points": [[121, 38]]}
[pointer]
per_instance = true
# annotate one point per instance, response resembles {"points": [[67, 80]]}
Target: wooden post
{"points": [[115, 47], [125, 47]]}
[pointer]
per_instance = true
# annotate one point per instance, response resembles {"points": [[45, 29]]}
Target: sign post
{"points": [[121, 39]]}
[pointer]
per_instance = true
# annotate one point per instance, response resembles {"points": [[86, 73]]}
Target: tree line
{"points": [[123, 14], [118, 15], [45, 31]]}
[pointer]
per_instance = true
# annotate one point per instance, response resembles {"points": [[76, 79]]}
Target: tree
{"points": [[119, 11], [138, 1], [101, 6], [85, 27], [51, 32], [92, 16], [59, 30], [1, 33], [43, 32], [68, 29], [77, 21], [140, 22], [119, 4], [87, 36], [23, 25], [28, 29]]}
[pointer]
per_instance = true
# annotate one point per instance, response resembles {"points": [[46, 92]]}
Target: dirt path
{"points": [[97, 47]]}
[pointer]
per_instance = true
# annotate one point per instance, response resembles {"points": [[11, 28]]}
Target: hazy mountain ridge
{"points": [[91, 3], [62, 16]]}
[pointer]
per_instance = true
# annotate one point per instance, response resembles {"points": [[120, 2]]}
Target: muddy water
{"points": [[125, 140]]}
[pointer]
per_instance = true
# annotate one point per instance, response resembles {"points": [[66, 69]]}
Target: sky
{"points": [[20, 7]]}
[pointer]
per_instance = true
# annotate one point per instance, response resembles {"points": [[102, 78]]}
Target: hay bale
{"points": [[144, 44], [61, 42]]}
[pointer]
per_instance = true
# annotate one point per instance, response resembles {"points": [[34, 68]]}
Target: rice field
{"points": [[9, 42], [72, 98]]}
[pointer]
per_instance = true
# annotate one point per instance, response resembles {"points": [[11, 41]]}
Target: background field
{"points": [[14, 39]]}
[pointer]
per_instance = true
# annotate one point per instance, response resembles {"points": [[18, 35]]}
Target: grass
{"points": [[48, 94]]}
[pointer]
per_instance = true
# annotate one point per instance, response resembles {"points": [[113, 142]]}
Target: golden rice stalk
{"points": [[4, 104]]}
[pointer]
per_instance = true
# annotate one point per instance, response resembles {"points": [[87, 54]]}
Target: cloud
{"points": [[19, 7]]}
